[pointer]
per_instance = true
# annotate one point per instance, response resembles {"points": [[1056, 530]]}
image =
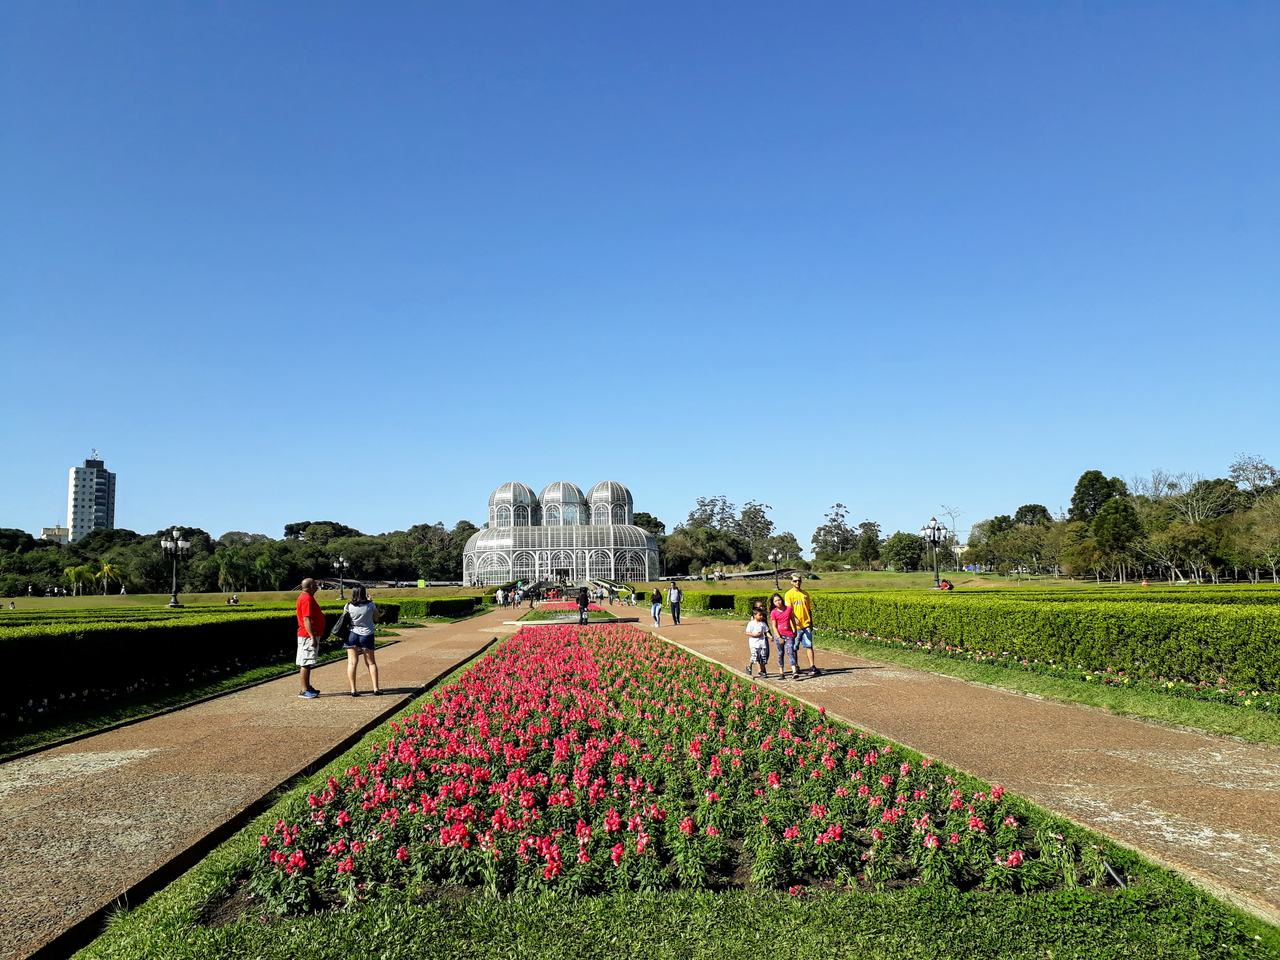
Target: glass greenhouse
{"points": [[560, 535]]}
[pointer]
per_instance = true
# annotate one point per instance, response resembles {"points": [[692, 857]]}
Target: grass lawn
{"points": [[882, 580], [204, 914]]}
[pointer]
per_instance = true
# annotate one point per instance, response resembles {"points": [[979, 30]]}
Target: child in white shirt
{"points": [[757, 643]]}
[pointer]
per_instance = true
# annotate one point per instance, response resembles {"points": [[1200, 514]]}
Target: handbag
{"points": [[341, 627]]}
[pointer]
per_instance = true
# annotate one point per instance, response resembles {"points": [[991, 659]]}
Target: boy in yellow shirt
{"points": [[801, 605]]}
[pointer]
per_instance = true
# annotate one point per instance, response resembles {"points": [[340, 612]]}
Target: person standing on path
{"points": [[364, 615], [801, 605], [783, 624], [655, 606], [674, 596], [310, 630], [584, 603]]}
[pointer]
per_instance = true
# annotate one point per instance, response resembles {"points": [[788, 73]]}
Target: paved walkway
{"points": [[1204, 805], [85, 822]]}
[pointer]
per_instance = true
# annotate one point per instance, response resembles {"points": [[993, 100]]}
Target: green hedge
{"points": [[1192, 642], [99, 661], [413, 608]]}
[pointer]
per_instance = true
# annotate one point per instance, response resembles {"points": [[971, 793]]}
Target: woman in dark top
{"points": [[583, 603], [655, 604]]}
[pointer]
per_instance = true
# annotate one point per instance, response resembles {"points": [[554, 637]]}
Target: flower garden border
{"points": [[191, 898], [90, 927]]}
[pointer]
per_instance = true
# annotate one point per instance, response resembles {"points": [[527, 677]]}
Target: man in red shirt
{"points": [[310, 631]]}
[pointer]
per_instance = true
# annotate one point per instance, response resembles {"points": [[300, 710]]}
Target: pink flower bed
{"points": [[598, 758], [565, 605]]}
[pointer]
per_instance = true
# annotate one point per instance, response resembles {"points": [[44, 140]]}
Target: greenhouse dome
{"points": [[560, 536]]}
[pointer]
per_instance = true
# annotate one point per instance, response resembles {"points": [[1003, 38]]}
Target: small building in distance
{"points": [[561, 535], [91, 499], [55, 534]]}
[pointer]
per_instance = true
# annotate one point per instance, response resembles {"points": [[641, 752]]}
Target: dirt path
{"points": [[1202, 804], [85, 822]]}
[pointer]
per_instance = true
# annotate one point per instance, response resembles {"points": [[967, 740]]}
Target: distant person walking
{"points": [[655, 606], [801, 605], [364, 615], [310, 630], [674, 596], [499, 597], [584, 603]]}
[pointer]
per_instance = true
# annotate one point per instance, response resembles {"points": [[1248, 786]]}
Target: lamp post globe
{"points": [[934, 533], [177, 548], [340, 567], [774, 557]]}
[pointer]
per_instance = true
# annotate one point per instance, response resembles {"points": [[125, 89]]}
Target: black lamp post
{"points": [[177, 548], [934, 534], [340, 566], [774, 557]]}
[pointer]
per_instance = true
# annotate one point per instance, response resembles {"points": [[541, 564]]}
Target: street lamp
{"points": [[177, 548], [934, 533], [774, 557], [340, 566]]}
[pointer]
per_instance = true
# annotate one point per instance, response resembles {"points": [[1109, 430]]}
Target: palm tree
{"points": [[231, 569], [108, 571], [270, 568], [80, 577]]}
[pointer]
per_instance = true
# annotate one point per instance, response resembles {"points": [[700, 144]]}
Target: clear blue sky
{"points": [[365, 262]]}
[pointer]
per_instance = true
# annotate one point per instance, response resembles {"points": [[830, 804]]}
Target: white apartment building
{"points": [[91, 499]]}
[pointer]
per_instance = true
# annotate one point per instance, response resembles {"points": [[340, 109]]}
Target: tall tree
{"points": [[753, 523], [904, 552], [1032, 515], [647, 521], [1253, 475], [717, 512], [834, 537], [868, 542], [1093, 489]]}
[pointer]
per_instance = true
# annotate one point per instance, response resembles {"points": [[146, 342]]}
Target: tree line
{"points": [[1174, 526], [107, 560]]}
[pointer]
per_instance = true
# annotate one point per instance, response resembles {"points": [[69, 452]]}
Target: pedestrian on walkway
{"points": [[499, 597], [655, 605], [757, 644], [782, 623], [674, 596], [801, 605], [364, 615], [584, 602], [310, 630]]}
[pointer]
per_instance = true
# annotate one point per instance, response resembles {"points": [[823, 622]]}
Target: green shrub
{"points": [[415, 608], [1188, 641], [98, 661]]}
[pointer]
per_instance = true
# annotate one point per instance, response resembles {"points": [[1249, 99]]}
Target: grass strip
{"points": [[1255, 726], [1164, 917]]}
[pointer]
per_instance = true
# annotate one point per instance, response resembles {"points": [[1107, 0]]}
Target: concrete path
{"points": [[83, 823], [1201, 804]]}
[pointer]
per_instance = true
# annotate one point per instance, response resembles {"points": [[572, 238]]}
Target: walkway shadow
{"points": [[836, 671]]}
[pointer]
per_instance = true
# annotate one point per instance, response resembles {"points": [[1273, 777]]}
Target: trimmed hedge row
{"points": [[1216, 596], [413, 608], [105, 660], [1192, 642]]}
